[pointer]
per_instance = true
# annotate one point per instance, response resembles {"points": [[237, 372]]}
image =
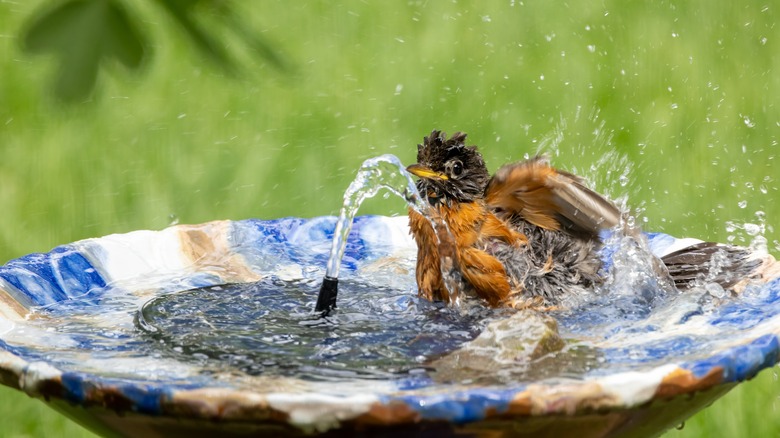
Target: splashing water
{"points": [[385, 171], [636, 281], [382, 172], [752, 234]]}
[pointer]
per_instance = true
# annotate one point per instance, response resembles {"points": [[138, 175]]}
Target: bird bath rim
{"points": [[146, 264]]}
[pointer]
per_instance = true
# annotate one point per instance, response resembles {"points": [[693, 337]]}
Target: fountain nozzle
{"points": [[326, 300]]}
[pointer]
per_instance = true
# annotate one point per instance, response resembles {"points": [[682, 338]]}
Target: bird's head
{"points": [[449, 170]]}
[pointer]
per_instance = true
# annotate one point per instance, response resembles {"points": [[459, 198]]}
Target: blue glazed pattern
{"points": [[69, 316], [48, 278]]}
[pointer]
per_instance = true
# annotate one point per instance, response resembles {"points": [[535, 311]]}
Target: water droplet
{"points": [[398, 89], [715, 290], [486, 19], [742, 204], [591, 48], [173, 219], [759, 245], [749, 123], [753, 229]]}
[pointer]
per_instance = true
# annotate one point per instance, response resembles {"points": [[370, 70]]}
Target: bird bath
{"points": [[83, 327]]}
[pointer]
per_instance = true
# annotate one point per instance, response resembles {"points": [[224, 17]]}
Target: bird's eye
{"points": [[456, 168]]}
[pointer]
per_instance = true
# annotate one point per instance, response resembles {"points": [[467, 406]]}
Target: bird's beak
{"points": [[425, 172]]}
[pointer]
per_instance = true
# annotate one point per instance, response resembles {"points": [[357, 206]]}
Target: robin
{"points": [[529, 232]]}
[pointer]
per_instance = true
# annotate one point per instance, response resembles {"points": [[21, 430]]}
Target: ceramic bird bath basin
{"points": [[202, 329]]}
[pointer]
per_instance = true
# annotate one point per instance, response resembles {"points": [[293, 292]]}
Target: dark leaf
{"points": [[257, 42], [181, 11], [82, 33]]}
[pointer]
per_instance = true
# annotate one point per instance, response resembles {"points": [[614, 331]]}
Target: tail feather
{"points": [[725, 265]]}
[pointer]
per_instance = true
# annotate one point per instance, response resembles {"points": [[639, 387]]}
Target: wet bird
{"points": [[528, 235]]}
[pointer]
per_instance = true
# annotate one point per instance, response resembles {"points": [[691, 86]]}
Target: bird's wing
{"points": [[550, 199]]}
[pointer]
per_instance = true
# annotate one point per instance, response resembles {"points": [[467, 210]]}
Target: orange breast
{"points": [[470, 225]]}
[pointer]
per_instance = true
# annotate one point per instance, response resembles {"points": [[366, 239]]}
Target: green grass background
{"points": [[671, 104]]}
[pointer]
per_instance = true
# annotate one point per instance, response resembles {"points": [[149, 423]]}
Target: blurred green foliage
{"points": [[669, 104]]}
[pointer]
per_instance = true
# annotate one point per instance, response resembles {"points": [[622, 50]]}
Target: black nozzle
{"points": [[326, 301]]}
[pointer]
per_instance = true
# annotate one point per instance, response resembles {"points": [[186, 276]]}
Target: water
{"points": [[267, 328], [383, 172]]}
